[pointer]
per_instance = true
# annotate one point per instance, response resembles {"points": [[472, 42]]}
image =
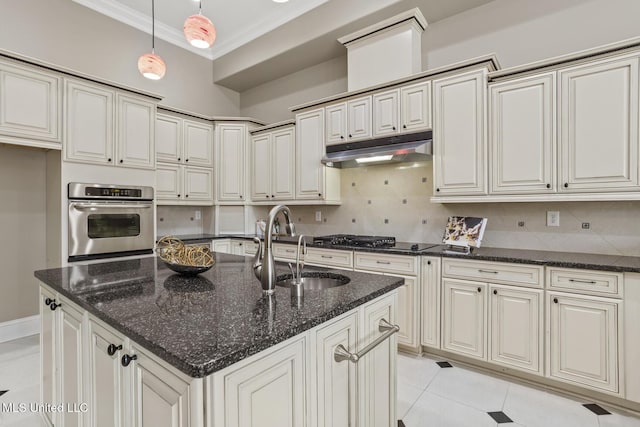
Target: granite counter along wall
{"points": [[394, 200]]}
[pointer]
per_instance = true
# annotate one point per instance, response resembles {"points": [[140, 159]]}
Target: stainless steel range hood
{"points": [[413, 147]]}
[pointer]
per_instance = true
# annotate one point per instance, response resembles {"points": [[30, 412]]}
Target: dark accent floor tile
{"points": [[444, 364], [401, 424], [500, 417], [3, 392], [596, 409]]}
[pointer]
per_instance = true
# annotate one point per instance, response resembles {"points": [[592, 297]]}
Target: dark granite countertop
{"points": [[590, 261], [203, 324]]}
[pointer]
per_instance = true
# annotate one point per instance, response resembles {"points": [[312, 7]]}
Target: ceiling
{"points": [[261, 40]]}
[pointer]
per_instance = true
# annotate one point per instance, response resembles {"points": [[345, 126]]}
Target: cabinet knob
{"points": [[121, 161], [267, 196], [350, 136], [179, 159], [404, 126], [178, 195], [341, 136], [479, 289], [428, 262], [319, 194], [394, 128], [109, 160], [48, 301], [186, 195], [111, 350], [548, 185], [437, 189], [566, 185], [273, 195], [126, 359], [495, 292], [53, 305], [555, 300], [186, 160], [241, 196]]}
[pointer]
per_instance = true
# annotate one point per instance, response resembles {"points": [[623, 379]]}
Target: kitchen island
{"points": [[143, 346]]}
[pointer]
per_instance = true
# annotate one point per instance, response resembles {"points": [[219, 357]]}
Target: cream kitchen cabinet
{"points": [[430, 301], [177, 184], [523, 126], [30, 104], [598, 129], [329, 258], [464, 317], [415, 107], [348, 121], [336, 116], [237, 247], [222, 245], [314, 181], [106, 127], [183, 141], [459, 134], [231, 162], [48, 349], [386, 113], [273, 164], [284, 252]]}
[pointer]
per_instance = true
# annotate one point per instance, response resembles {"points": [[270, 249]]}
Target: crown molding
{"points": [[251, 31]]}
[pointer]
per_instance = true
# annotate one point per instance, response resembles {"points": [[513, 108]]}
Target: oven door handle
{"points": [[83, 206]]}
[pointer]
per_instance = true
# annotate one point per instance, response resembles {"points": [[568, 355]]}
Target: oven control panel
{"points": [[80, 191], [112, 192]]}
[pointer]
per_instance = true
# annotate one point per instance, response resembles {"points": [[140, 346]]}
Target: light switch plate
{"points": [[553, 218], [198, 215], [319, 216]]}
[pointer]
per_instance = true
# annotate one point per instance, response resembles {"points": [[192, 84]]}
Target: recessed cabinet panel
{"points": [[283, 163], [459, 134], [48, 350], [386, 112], [89, 123], [198, 184], [336, 123], [407, 316], [359, 118], [464, 317], [416, 107], [169, 182], [29, 103], [310, 148], [261, 167], [168, 138], [231, 165], [523, 127], [136, 130], [198, 143], [599, 127], [430, 314], [71, 364]]}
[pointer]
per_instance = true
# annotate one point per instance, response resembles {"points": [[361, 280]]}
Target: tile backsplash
{"points": [[182, 220], [394, 200]]}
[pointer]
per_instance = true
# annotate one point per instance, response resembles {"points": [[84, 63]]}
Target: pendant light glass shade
{"points": [[199, 30], [151, 65]]}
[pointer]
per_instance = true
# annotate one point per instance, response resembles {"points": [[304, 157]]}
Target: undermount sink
{"points": [[314, 280]]}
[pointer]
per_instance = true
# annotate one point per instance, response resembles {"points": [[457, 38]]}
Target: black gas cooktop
{"points": [[352, 240]]}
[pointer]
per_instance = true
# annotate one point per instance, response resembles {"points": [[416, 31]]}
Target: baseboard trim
{"points": [[19, 328]]}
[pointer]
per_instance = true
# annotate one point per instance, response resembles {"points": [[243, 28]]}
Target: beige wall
{"points": [[67, 34], [22, 227], [519, 31]]}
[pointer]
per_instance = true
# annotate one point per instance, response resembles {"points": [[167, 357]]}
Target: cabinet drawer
{"points": [[494, 272], [250, 248], [329, 257], [284, 251], [585, 281], [397, 264]]}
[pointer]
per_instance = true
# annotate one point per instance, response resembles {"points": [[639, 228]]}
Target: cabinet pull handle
{"points": [[479, 289], [326, 256], [112, 349], [54, 305], [341, 353], [126, 359], [487, 271], [290, 251], [495, 292], [590, 282], [48, 301], [555, 300], [383, 262]]}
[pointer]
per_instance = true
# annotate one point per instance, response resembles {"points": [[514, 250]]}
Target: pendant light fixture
{"points": [[151, 65], [199, 30]]}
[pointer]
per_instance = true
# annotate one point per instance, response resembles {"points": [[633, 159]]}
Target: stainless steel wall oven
{"points": [[109, 221]]}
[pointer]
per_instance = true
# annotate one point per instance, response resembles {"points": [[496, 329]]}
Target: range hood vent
{"points": [[414, 147]]}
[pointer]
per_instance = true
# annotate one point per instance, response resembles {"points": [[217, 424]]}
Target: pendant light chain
{"points": [[153, 26]]}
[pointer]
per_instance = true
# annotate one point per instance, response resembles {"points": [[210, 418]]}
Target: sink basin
{"points": [[314, 280]]}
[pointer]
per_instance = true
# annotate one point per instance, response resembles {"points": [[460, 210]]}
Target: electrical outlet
{"points": [[520, 223], [319, 216], [553, 218], [586, 226], [198, 215]]}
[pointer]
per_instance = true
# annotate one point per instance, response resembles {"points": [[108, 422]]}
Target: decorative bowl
{"points": [[187, 260], [187, 270]]}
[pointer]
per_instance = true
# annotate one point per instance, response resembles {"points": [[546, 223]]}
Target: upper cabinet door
{"points": [[523, 126], [136, 132], [386, 113], [415, 108], [231, 161], [198, 184], [261, 167], [599, 126], [459, 134], [198, 143], [169, 184], [336, 123], [89, 112], [283, 165], [29, 103], [310, 149], [359, 118], [168, 138]]}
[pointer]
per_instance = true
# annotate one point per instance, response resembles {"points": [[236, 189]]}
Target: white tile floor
{"points": [[428, 396], [431, 396]]}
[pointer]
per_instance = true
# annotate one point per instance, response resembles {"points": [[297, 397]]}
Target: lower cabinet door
{"points": [[407, 314], [106, 379], [464, 317], [377, 369], [70, 365], [583, 341], [267, 392], [335, 382], [430, 283], [48, 349], [516, 333], [159, 398]]}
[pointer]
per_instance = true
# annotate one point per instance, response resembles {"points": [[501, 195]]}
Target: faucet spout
{"points": [[266, 270]]}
